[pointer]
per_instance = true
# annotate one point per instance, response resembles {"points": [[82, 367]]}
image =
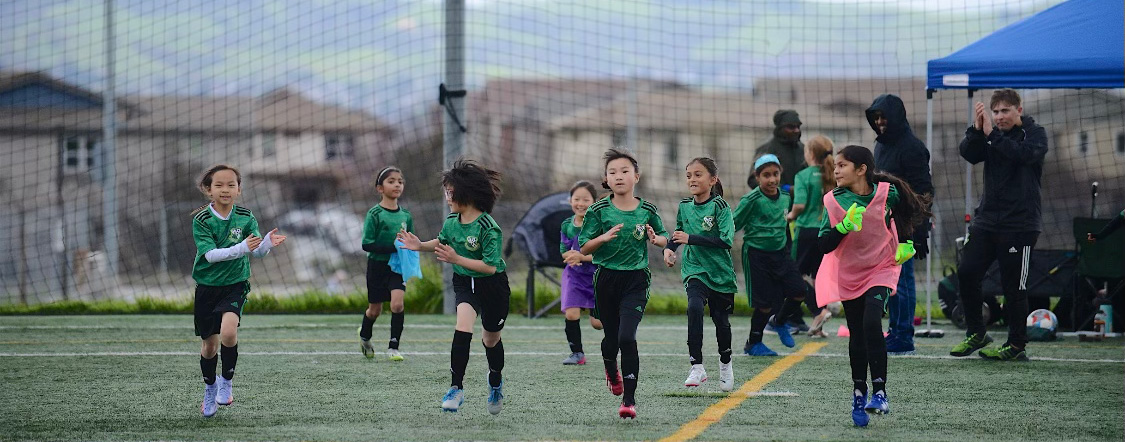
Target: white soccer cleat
{"points": [[209, 407], [726, 376], [394, 355], [452, 400], [225, 396], [696, 376]]}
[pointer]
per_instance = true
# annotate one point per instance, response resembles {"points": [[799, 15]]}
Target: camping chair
{"points": [[538, 235], [1100, 264]]}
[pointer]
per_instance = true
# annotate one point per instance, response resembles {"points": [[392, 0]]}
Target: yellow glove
{"points": [[905, 252], [853, 220]]}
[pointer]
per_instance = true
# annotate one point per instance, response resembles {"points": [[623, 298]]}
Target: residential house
{"points": [[292, 152]]}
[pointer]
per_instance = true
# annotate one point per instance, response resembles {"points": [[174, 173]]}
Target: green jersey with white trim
{"points": [[480, 239], [629, 250], [711, 265], [212, 232]]}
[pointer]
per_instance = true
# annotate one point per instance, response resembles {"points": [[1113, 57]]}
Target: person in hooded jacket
{"points": [[786, 145], [1007, 222], [900, 153]]}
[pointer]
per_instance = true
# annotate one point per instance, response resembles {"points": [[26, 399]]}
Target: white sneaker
{"points": [[726, 376], [209, 407], [452, 400], [696, 376], [224, 396]]}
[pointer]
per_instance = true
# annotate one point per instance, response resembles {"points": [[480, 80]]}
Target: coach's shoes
{"points": [[726, 376], [899, 347], [859, 415], [616, 385], [394, 355], [878, 404], [760, 349], [225, 396], [452, 400], [209, 406], [627, 411], [971, 344], [696, 376], [783, 334], [496, 398], [1005, 353], [576, 358]]}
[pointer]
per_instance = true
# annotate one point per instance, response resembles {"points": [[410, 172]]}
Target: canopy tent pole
{"points": [[929, 332]]}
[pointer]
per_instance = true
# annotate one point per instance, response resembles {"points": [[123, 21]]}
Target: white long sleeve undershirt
{"points": [[239, 250]]}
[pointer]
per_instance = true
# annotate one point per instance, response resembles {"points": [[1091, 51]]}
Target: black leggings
{"points": [[620, 297], [866, 346], [722, 305]]}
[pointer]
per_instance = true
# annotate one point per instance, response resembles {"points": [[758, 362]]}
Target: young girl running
{"points": [[470, 240], [578, 276], [380, 229], [225, 237], [863, 251], [705, 225], [615, 231], [771, 275], [808, 214]]}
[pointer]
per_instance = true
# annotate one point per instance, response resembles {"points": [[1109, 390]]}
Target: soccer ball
{"points": [[1041, 325], [1042, 318]]}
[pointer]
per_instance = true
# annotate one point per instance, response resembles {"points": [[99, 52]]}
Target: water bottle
{"points": [[1107, 311], [1099, 324]]}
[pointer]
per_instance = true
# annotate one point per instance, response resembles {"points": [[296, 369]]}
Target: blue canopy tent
{"points": [[1075, 44]]}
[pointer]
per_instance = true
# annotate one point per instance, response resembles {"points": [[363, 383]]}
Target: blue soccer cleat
{"points": [[760, 349], [496, 398], [878, 404], [452, 400], [783, 334], [859, 416]]}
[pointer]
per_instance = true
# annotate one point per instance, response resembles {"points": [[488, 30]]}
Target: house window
{"points": [[1083, 142], [1119, 145], [672, 149], [338, 146], [269, 145], [80, 154]]}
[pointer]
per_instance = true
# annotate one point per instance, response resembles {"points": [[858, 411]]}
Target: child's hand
{"points": [[572, 258], [253, 241], [447, 254], [610, 234], [409, 240], [679, 237], [853, 220], [905, 252], [275, 238], [669, 257]]}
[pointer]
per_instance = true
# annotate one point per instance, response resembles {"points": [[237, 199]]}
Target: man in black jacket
{"points": [[900, 153], [1007, 221]]}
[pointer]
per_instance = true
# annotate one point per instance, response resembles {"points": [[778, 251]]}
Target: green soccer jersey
{"points": [[629, 250], [807, 191], [846, 197], [480, 239], [212, 232], [711, 265], [382, 225], [761, 218]]}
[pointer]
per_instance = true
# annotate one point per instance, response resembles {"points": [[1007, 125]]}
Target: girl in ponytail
{"points": [[704, 224], [808, 214]]}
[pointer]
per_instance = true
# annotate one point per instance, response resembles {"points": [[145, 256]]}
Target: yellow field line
{"points": [[715, 412]]}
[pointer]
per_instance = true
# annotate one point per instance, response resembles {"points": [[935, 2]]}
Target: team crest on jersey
{"points": [[708, 223], [235, 234], [404, 226], [471, 243], [639, 232]]}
